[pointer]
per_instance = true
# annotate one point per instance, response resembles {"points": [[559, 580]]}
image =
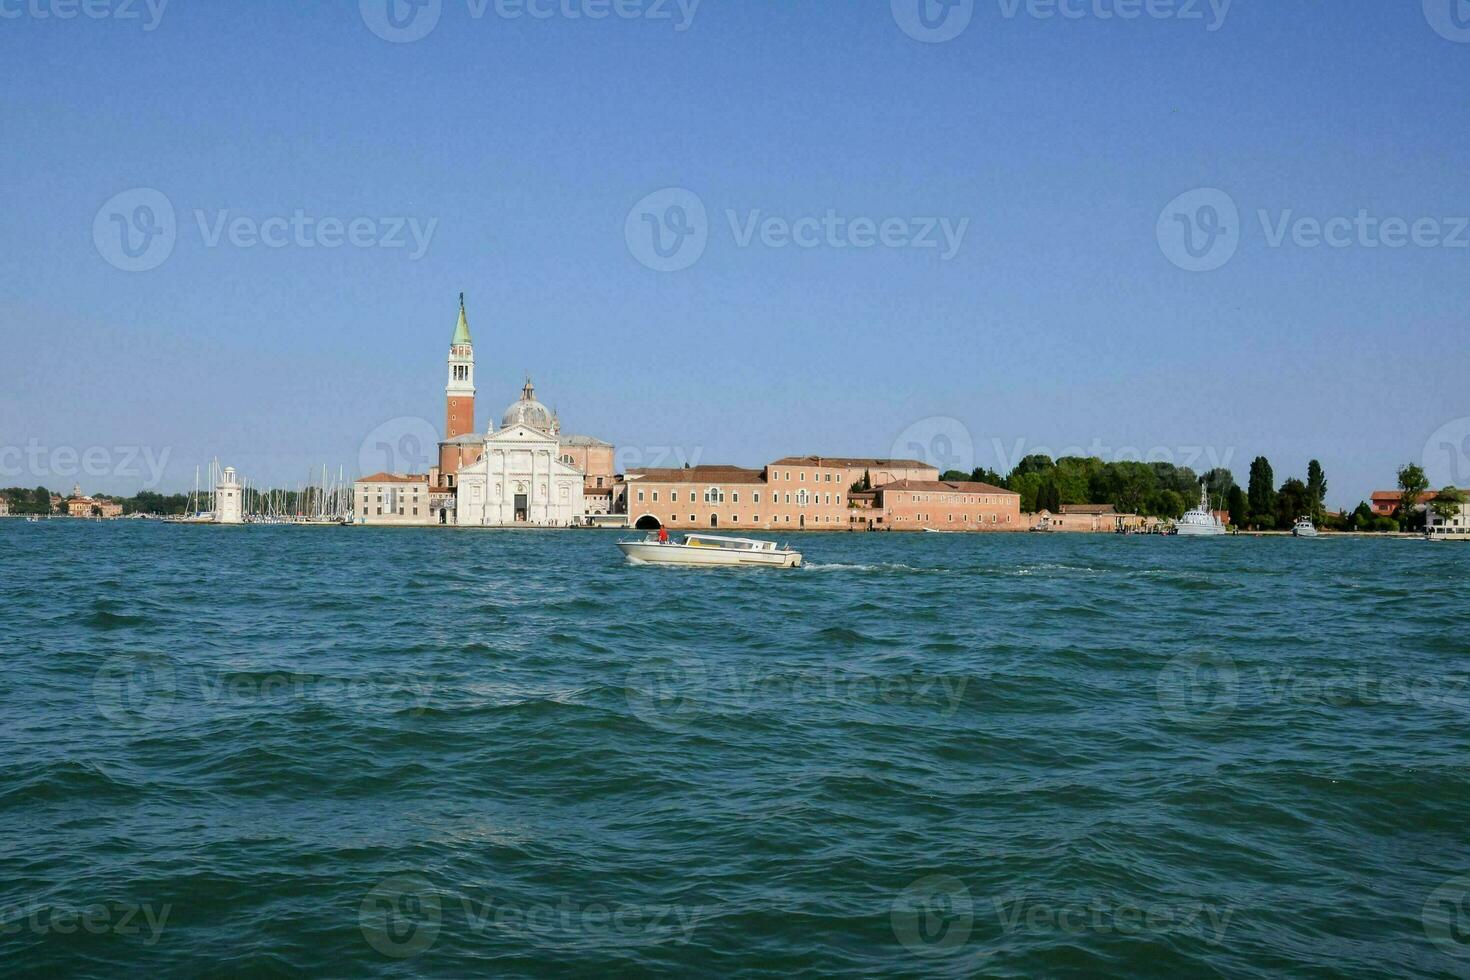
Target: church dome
{"points": [[528, 411]]}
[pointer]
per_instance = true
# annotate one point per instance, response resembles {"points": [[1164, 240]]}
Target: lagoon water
{"points": [[354, 752]]}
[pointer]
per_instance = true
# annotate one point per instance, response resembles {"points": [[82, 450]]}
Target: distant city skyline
{"points": [[727, 233]]}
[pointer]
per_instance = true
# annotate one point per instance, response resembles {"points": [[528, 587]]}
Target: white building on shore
{"points": [[229, 499], [519, 479]]}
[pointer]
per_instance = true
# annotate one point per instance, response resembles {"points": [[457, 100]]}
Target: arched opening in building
{"points": [[648, 523], [801, 521]]}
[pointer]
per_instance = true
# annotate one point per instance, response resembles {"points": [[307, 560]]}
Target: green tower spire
{"points": [[461, 329]]}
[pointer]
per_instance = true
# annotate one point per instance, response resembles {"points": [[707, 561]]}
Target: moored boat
{"points": [[1304, 528], [708, 549], [1201, 521]]}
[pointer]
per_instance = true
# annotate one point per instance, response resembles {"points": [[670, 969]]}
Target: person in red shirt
{"points": [[663, 535]]}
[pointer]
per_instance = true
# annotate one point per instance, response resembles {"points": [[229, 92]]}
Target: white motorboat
{"points": [[708, 549], [1199, 522], [1304, 528]]}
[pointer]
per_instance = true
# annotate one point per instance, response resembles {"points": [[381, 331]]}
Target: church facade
{"points": [[519, 478]]}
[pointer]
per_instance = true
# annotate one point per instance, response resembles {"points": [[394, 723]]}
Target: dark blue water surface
{"points": [[354, 752]]}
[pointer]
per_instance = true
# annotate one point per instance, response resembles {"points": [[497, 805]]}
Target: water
{"points": [[338, 752]]}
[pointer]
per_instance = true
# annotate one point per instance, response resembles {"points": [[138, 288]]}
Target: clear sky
{"points": [[1060, 313]]}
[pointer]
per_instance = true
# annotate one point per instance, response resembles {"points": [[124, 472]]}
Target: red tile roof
{"points": [[849, 461], [938, 486], [393, 478], [699, 474]]}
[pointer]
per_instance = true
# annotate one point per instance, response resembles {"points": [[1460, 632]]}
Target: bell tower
{"points": [[460, 392]]}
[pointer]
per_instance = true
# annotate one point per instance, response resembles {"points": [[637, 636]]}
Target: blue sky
{"points": [[519, 146]]}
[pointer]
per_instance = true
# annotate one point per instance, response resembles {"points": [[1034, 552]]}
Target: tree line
{"points": [[1166, 491]]}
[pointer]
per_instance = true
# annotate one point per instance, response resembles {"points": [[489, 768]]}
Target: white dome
{"points": [[528, 411]]}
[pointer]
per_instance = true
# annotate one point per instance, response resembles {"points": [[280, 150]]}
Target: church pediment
{"points": [[521, 434]]}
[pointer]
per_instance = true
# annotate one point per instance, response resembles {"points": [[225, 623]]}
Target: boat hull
{"points": [[1199, 531], [653, 553]]}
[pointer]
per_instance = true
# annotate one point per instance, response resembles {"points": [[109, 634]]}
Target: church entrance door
{"points": [[522, 508]]}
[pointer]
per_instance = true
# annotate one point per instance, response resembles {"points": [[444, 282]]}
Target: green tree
{"points": [[1219, 482], [1261, 493], [1317, 489], [1239, 513], [1166, 503], [1049, 496], [1412, 485], [1447, 503], [988, 476], [1362, 517], [1293, 500]]}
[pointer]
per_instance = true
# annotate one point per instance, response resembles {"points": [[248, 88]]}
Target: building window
{"points": [[756, 497], [640, 496], [735, 497]]}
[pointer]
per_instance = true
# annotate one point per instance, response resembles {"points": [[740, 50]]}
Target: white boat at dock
{"points": [[1200, 522], [708, 549], [1304, 528]]}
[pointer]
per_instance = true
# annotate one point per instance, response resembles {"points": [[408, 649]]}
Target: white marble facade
{"points": [[519, 482]]}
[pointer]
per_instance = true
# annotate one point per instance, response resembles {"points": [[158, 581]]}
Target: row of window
{"points": [[715, 495]]}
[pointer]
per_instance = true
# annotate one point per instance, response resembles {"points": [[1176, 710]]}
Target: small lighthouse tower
{"points": [[228, 499], [460, 392]]}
